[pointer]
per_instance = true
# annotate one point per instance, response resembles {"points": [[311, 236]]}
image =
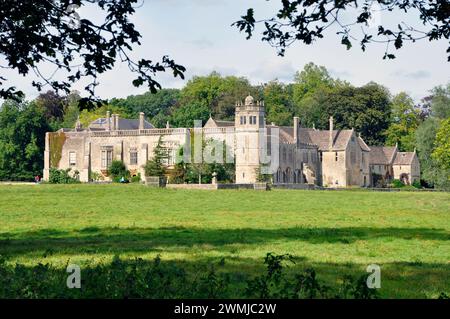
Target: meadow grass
{"points": [[337, 233]]}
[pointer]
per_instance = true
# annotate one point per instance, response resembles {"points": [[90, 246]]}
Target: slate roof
{"points": [[286, 134], [218, 123], [321, 138], [363, 144], [382, 155], [124, 124], [404, 158], [224, 123]]}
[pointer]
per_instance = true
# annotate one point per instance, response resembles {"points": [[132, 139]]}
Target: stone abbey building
{"points": [[291, 154]]}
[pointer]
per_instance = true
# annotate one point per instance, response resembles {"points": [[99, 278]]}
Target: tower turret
{"points": [[249, 125]]}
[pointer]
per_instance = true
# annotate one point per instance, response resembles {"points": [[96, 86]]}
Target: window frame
{"points": [[74, 162]]}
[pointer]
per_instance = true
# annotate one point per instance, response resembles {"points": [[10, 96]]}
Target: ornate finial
{"points": [[78, 125], [167, 124]]}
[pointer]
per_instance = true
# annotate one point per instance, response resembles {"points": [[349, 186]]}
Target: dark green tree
{"points": [[152, 104], [216, 94], [367, 109], [155, 166], [278, 103], [22, 140], [405, 118]]}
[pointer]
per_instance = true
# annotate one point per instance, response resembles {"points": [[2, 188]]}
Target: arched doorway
{"points": [[404, 178]]}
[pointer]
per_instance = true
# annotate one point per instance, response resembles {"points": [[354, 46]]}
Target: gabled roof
{"points": [[363, 144], [286, 134], [382, 155], [218, 123], [321, 138], [404, 158]]}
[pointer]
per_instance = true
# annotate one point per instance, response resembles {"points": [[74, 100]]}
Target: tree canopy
{"points": [[22, 139], [33, 33]]}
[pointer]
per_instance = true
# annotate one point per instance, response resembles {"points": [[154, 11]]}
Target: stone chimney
{"points": [[331, 133], [113, 122], [296, 124], [108, 120], [116, 124], [141, 120]]}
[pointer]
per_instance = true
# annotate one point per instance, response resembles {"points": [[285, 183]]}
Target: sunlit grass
{"points": [[336, 232]]}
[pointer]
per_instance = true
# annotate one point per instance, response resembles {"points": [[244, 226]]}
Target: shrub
{"points": [[61, 176], [117, 168], [136, 178], [96, 176], [117, 171], [416, 184], [396, 183], [137, 278]]}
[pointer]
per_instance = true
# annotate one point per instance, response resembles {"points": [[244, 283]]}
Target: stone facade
{"points": [[387, 163], [290, 154]]}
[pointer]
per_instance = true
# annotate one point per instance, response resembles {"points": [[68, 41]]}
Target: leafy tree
{"points": [[311, 78], [155, 166], [441, 153], [311, 87], [278, 103], [440, 100], [366, 109], [434, 173], [152, 104], [88, 116], [405, 120], [71, 110], [216, 94], [308, 20], [52, 105], [22, 140], [52, 32], [185, 115]]}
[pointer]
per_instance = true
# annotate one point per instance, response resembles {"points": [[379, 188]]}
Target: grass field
{"points": [[337, 233]]}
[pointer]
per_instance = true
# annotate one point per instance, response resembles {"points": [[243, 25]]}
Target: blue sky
{"points": [[198, 35]]}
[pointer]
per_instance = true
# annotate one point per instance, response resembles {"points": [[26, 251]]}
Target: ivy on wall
{"points": [[56, 142]]}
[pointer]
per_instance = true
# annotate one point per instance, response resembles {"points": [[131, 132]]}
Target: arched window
{"points": [[288, 175]]}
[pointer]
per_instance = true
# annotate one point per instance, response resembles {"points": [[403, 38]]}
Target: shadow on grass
{"points": [[137, 278], [123, 240]]}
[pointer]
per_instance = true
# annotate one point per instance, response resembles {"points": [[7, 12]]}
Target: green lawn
{"points": [[337, 233]]}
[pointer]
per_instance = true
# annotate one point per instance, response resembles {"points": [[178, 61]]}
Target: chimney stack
{"points": [[331, 132], [141, 120], [117, 122], [108, 120], [296, 123]]}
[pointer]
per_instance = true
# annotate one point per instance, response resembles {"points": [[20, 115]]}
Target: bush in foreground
{"points": [[142, 279]]}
